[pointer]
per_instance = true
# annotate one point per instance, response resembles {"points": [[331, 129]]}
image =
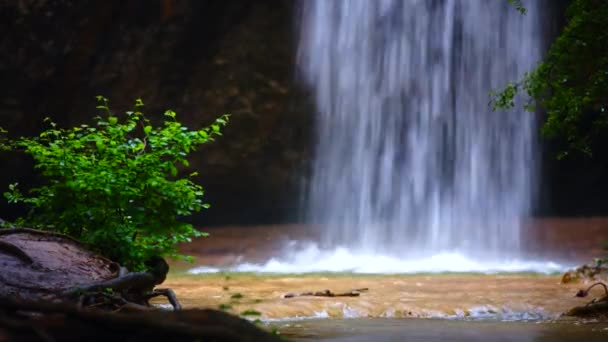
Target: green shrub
{"points": [[570, 83], [115, 184]]}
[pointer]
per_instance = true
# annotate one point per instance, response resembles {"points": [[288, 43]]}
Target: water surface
{"points": [[440, 330]]}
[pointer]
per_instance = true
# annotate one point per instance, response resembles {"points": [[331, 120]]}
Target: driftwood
{"points": [[44, 321], [597, 307], [328, 293]]}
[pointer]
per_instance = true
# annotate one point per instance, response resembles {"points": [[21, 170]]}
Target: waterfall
{"points": [[410, 160]]}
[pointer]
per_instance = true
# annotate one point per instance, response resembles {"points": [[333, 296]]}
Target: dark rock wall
{"points": [[199, 58]]}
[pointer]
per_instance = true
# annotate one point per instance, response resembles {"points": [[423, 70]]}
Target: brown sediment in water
{"points": [[520, 296], [575, 240]]}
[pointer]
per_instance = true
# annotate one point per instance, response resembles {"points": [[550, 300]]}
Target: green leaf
{"points": [[147, 130], [99, 144]]}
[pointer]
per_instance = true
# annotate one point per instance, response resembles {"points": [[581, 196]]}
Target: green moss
{"points": [[224, 307], [250, 313]]}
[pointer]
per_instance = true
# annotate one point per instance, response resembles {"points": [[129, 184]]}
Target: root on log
{"points": [[597, 307], [130, 281], [132, 289]]}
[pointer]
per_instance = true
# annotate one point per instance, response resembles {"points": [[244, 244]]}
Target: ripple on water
{"points": [[489, 312], [474, 313]]}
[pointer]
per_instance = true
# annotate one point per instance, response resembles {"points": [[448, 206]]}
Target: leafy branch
{"points": [[116, 184]]}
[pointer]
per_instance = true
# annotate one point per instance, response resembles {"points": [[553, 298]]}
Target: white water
{"points": [[310, 258], [412, 168]]}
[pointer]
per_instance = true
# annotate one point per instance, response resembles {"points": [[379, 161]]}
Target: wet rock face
{"points": [[199, 58]]}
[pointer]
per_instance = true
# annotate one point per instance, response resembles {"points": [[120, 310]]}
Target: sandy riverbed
{"points": [[503, 296]]}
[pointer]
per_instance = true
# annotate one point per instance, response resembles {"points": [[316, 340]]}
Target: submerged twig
{"points": [[328, 293]]}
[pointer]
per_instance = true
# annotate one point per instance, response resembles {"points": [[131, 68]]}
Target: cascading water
{"points": [[413, 170], [411, 160]]}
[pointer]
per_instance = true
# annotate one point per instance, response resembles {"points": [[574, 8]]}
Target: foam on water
{"points": [[312, 259], [505, 314]]}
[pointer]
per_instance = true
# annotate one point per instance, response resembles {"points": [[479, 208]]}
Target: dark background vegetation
{"points": [[203, 59]]}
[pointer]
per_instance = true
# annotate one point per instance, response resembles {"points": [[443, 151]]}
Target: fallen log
{"points": [[44, 321], [44, 265], [53, 288]]}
